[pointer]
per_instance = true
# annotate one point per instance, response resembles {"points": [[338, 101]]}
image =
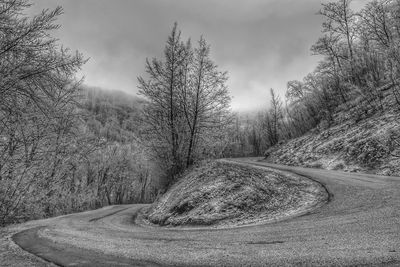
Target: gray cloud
{"points": [[262, 44]]}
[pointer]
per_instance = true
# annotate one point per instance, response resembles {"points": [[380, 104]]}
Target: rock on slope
{"points": [[226, 194]]}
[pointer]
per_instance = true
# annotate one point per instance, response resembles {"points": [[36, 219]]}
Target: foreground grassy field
{"points": [[228, 194]]}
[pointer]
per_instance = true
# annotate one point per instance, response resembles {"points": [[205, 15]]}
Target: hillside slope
{"points": [[371, 145], [223, 193]]}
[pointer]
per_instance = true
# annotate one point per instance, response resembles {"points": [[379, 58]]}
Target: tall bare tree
{"points": [[339, 25], [162, 115], [273, 119], [188, 102], [206, 102]]}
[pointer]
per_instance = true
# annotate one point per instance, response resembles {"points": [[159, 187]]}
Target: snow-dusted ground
{"points": [[367, 146], [226, 194]]}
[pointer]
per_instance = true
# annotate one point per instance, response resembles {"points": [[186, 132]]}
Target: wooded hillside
{"points": [[63, 147], [357, 80]]}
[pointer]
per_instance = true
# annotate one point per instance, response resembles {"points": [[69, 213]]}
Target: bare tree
{"points": [[273, 119], [340, 20], [188, 103], [206, 100], [162, 114]]}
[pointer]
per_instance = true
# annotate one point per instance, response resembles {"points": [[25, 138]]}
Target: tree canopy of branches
{"points": [[37, 95], [360, 65], [188, 102], [57, 155]]}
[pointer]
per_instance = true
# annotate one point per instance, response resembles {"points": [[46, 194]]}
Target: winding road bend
{"points": [[359, 226]]}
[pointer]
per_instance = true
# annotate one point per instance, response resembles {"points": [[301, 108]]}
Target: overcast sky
{"points": [[261, 43]]}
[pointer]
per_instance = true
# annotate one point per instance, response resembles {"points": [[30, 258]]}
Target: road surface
{"points": [[359, 226]]}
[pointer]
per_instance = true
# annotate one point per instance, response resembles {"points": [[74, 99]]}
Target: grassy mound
{"points": [[222, 193]]}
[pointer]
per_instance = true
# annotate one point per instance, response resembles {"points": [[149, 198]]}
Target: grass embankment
{"points": [[371, 145], [226, 194]]}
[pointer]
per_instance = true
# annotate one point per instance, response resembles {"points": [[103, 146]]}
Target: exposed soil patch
{"points": [[228, 194]]}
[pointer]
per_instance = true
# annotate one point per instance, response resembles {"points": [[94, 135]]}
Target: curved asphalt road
{"points": [[359, 226]]}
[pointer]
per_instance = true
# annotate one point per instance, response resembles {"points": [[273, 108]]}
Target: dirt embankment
{"points": [[225, 194]]}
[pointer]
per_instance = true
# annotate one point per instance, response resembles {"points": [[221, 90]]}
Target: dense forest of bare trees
{"points": [[37, 116], [63, 148], [358, 76]]}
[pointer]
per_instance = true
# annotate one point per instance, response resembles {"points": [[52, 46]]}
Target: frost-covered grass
{"points": [[366, 146], [221, 193]]}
